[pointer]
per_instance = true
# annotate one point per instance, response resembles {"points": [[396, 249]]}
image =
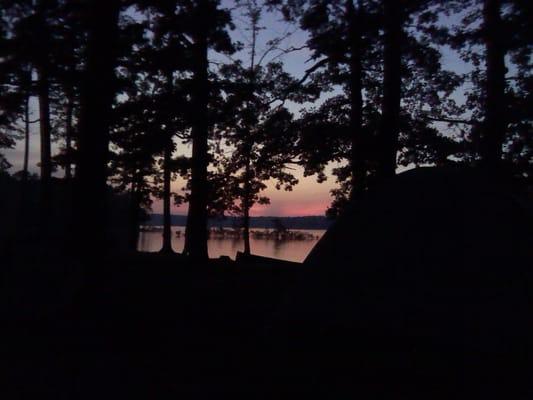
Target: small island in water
{"points": [[266, 228]]}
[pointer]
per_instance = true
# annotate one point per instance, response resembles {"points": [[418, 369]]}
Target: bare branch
{"points": [[312, 69], [449, 120], [286, 51], [30, 122]]}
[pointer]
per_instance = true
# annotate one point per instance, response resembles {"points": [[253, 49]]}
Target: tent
{"points": [[425, 279]]}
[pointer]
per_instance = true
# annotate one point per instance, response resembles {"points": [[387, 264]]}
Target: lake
{"points": [[291, 250]]}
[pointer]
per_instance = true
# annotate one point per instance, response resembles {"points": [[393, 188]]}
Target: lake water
{"points": [[291, 250]]}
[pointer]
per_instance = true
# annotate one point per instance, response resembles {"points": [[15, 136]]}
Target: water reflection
{"points": [[292, 250]]}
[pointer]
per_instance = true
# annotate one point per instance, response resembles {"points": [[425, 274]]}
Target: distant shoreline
{"points": [[307, 222]]}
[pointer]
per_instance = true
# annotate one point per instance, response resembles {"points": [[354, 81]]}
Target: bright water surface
{"points": [[292, 250]]}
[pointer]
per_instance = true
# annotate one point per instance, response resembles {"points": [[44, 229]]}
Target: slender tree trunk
{"points": [[43, 88], [358, 150], [23, 215], [68, 135], [495, 110], [249, 139], [96, 99], [26, 138], [22, 206], [246, 231], [167, 232], [246, 210], [44, 130], [135, 203], [196, 231], [44, 125], [42, 67], [390, 111], [167, 176], [134, 217]]}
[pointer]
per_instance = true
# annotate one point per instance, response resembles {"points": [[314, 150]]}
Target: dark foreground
{"points": [[155, 326]]}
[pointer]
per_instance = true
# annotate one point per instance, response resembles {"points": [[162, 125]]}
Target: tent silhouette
{"points": [[424, 279]]}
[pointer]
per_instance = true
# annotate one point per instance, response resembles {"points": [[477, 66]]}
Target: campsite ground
{"points": [[152, 325]]}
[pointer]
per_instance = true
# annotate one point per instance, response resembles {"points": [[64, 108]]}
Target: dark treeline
{"points": [[120, 85]]}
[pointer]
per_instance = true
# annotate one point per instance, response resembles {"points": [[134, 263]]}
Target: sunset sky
{"points": [[308, 197]]}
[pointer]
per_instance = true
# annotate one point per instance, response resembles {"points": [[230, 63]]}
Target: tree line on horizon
{"points": [[120, 85]]}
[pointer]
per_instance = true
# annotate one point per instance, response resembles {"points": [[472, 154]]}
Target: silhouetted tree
{"points": [[168, 64], [414, 83], [400, 70], [254, 122], [16, 84], [495, 118], [494, 37], [10, 112], [395, 16], [34, 49], [133, 164], [343, 40], [206, 25], [345, 50], [69, 50], [359, 140], [42, 52], [97, 94]]}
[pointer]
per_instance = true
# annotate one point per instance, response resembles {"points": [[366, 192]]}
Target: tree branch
{"points": [[308, 72]]}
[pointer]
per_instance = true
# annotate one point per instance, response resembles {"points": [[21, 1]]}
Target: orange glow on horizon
{"points": [[308, 198]]}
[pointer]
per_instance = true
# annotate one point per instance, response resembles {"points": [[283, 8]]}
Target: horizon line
{"points": [[257, 216]]}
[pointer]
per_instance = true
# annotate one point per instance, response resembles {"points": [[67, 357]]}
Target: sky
{"points": [[306, 198]]}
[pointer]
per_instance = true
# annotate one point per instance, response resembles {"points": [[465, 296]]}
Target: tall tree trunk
{"points": [[68, 135], [495, 110], [134, 214], [96, 99], [358, 150], [390, 111], [196, 230], [167, 232]]}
